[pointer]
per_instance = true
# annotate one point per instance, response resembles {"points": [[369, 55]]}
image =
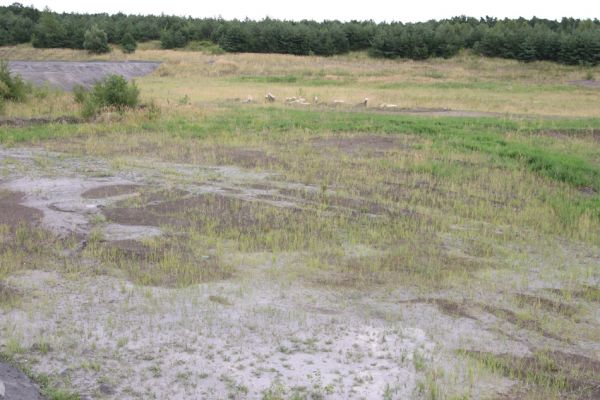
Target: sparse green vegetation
{"points": [[326, 248], [12, 87], [556, 374], [112, 92]]}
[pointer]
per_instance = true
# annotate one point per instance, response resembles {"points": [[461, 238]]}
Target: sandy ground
{"points": [[66, 74], [261, 330]]}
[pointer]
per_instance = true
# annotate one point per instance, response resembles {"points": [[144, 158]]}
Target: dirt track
{"points": [[66, 74]]}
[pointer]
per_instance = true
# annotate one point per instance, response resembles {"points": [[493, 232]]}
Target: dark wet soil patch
{"points": [[566, 134], [568, 376], [321, 310], [224, 301], [134, 250], [523, 322], [589, 293], [110, 191], [21, 122], [344, 278], [8, 294], [12, 213], [232, 190], [185, 212], [333, 202], [215, 211], [261, 186], [376, 144], [546, 304], [246, 158], [588, 83], [449, 307], [469, 310], [408, 262], [168, 262], [17, 385], [588, 191], [438, 112]]}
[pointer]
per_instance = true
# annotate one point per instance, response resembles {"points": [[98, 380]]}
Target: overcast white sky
{"points": [[378, 10]]}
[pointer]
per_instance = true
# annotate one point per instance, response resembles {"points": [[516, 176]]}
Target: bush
{"points": [[112, 91], [95, 40], [128, 43], [12, 87]]}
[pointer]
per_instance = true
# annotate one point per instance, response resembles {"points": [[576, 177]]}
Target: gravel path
{"points": [[16, 385]]}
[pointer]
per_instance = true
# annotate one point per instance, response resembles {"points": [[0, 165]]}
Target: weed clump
{"points": [[12, 87], [112, 92], [80, 94]]}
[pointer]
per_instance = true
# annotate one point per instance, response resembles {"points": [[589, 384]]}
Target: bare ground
{"points": [[17, 385], [257, 330], [588, 83], [13, 213], [67, 74]]}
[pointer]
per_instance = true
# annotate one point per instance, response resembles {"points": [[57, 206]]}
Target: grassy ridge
{"points": [[474, 134], [484, 134]]}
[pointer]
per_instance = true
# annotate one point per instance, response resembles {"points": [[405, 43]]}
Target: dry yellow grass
{"points": [[466, 82]]}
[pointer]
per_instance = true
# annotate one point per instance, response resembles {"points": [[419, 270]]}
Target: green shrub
{"points": [[128, 43], [113, 91], [95, 40], [12, 87]]}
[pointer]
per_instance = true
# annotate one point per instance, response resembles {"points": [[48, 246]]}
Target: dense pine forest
{"points": [[569, 41]]}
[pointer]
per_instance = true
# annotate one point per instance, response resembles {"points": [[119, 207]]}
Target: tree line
{"points": [[568, 41]]}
